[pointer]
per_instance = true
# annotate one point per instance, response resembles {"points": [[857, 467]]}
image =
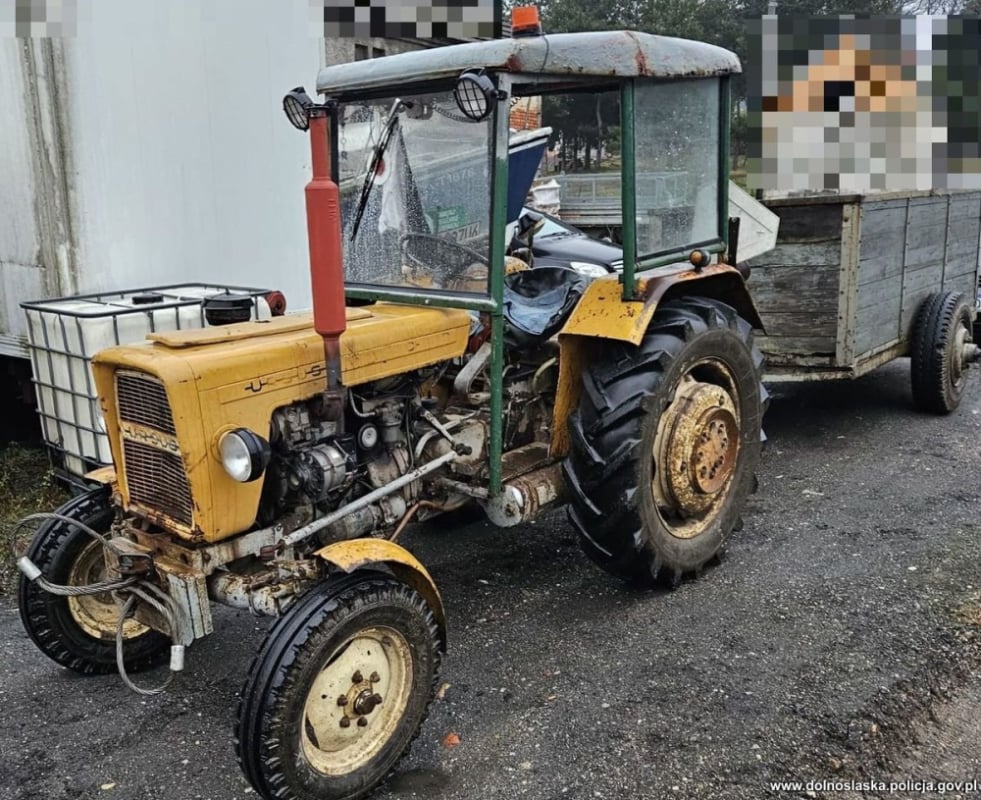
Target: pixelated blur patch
{"points": [[416, 19], [38, 19], [858, 104]]}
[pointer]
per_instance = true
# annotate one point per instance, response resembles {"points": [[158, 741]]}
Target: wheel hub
{"points": [[356, 700], [360, 699], [97, 614], [957, 354], [697, 448], [366, 701], [714, 452]]}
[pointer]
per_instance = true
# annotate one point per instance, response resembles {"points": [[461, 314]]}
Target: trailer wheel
{"points": [[338, 690], [937, 370], [80, 632], [666, 442]]}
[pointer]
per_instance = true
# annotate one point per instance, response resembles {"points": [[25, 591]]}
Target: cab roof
{"points": [[585, 56]]}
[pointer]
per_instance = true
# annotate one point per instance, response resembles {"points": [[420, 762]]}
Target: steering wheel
{"points": [[463, 255]]}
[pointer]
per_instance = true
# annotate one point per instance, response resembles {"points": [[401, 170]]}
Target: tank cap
{"points": [[227, 308]]}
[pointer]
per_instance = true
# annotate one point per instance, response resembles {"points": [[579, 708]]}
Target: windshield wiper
{"points": [[376, 160]]}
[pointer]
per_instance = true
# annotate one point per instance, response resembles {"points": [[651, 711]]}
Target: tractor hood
{"points": [[165, 402], [380, 341]]}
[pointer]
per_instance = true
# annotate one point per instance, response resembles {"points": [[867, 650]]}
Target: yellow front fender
{"points": [[356, 554]]}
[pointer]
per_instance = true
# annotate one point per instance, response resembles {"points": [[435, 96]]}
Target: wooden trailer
{"points": [[858, 280]]}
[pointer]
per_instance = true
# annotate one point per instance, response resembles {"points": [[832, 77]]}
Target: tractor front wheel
{"points": [[666, 442], [338, 690], [80, 632]]}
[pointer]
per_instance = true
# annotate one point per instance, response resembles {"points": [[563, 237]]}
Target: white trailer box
{"points": [[150, 148]]}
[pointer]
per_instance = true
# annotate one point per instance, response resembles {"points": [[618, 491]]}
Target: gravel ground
{"points": [[837, 641]]}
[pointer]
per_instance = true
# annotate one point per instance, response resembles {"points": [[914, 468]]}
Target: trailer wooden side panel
{"points": [[795, 284], [963, 243], [907, 234]]}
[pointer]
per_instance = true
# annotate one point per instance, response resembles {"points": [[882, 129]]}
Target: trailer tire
{"points": [[289, 748], [691, 395], [937, 372], [79, 633]]}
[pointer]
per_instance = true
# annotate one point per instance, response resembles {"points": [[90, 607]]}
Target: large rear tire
{"points": [[80, 632], [338, 690], [666, 442]]}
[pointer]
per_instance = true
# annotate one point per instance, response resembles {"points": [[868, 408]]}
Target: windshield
{"points": [[676, 128], [552, 227], [426, 214]]}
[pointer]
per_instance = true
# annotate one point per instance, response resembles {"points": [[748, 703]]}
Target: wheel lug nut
{"points": [[361, 722], [357, 677], [342, 700], [377, 698], [374, 677], [345, 722]]}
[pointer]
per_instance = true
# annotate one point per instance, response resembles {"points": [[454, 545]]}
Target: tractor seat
{"points": [[537, 302]]}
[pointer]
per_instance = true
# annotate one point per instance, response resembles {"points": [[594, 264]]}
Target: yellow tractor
{"points": [[271, 465]]}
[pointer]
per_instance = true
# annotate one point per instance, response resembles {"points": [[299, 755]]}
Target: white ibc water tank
{"points": [[63, 335]]}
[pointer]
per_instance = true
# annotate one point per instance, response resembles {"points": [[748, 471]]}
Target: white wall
{"points": [[187, 168], [20, 272], [180, 164]]}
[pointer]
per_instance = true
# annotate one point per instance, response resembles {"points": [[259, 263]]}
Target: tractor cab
{"points": [[422, 151], [420, 148]]}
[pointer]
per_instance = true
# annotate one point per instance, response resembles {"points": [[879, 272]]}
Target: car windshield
{"points": [[425, 220], [553, 227]]}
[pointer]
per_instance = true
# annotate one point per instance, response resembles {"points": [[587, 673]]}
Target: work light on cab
{"points": [[297, 105], [474, 95]]}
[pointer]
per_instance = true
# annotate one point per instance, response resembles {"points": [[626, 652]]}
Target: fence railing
{"points": [[597, 192]]}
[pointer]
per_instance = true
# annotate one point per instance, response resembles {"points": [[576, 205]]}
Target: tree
{"points": [[720, 22]]}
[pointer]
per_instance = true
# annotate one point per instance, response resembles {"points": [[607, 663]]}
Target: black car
{"points": [[559, 244]]}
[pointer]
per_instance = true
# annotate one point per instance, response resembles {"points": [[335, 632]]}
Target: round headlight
{"points": [[244, 454]]}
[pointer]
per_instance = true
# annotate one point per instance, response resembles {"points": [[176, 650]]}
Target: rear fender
{"points": [[358, 554], [602, 313]]}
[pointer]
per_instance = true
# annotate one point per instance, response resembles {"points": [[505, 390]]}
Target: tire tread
{"points": [[269, 675], [605, 438]]}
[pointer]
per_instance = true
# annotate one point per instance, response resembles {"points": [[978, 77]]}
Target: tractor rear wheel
{"points": [[80, 632], [937, 368], [338, 690], [666, 442]]}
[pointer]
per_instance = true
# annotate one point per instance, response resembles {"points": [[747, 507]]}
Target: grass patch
{"points": [[27, 485], [970, 612]]}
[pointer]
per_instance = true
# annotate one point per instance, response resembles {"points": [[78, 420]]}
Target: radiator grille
{"points": [[142, 399], [157, 479]]}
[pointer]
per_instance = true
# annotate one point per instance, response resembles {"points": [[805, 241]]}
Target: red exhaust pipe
{"points": [[326, 253]]}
